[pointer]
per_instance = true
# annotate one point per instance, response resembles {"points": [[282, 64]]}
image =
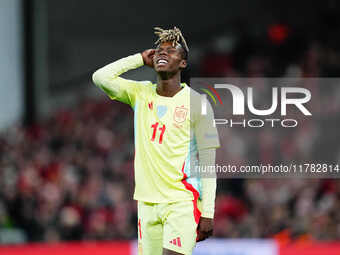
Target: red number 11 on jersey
{"points": [[162, 129]]}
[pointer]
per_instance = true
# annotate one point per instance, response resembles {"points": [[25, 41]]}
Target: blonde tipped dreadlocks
{"points": [[171, 35]]}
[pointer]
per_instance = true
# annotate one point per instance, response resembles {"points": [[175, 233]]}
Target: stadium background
{"points": [[66, 151]]}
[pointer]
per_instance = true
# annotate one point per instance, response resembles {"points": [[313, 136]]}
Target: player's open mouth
{"points": [[162, 62]]}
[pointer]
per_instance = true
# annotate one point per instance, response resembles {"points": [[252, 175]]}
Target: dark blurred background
{"points": [[66, 150]]}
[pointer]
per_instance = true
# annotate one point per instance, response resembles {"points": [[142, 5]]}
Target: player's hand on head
{"points": [[148, 57], [205, 228]]}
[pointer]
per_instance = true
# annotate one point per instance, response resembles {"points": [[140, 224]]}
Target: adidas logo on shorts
{"points": [[176, 241]]}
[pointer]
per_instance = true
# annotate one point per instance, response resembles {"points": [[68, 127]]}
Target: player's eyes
{"points": [[169, 51]]}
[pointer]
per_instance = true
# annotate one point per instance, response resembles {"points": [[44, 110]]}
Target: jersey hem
{"points": [[162, 201]]}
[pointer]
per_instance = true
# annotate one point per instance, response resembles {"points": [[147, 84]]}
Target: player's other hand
{"points": [[205, 229], [148, 57]]}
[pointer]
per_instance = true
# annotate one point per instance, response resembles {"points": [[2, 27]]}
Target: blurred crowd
{"points": [[70, 177], [291, 209]]}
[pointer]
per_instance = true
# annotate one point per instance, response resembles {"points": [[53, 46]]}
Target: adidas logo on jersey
{"points": [[176, 241], [150, 105]]}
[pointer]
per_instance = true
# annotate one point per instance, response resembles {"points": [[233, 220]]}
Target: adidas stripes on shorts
{"points": [[167, 225]]}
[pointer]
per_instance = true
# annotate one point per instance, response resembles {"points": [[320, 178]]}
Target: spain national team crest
{"points": [[180, 114]]}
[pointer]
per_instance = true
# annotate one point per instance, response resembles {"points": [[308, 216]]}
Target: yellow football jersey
{"points": [[169, 131]]}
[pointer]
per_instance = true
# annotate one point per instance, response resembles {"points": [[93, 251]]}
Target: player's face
{"points": [[168, 58]]}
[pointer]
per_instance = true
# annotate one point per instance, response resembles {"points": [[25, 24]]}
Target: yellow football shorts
{"points": [[167, 225]]}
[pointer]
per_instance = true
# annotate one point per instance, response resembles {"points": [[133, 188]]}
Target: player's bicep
{"points": [[205, 132], [121, 89]]}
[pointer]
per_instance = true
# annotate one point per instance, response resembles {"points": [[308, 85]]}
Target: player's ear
{"points": [[183, 64]]}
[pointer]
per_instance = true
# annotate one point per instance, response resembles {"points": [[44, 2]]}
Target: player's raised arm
{"points": [[124, 90]]}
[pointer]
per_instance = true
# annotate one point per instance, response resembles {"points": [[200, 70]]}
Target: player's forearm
{"points": [[107, 76], [207, 158]]}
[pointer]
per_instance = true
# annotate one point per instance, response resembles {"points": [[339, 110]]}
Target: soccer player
{"points": [[175, 207]]}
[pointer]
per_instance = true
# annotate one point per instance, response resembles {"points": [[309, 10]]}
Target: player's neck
{"points": [[168, 87]]}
